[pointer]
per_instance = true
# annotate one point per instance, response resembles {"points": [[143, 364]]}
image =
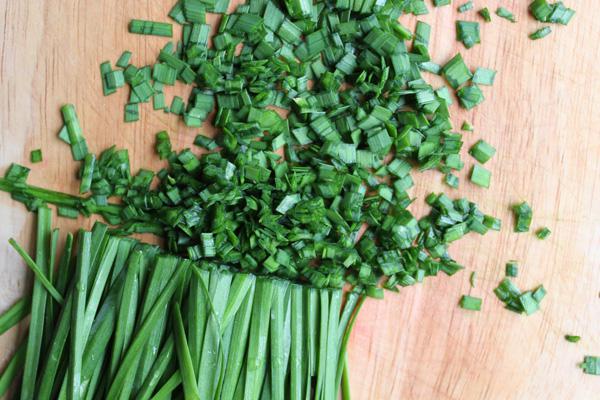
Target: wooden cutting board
{"points": [[542, 115]]}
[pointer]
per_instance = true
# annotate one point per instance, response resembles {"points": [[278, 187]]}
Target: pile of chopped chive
{"points": [[113, 318]]}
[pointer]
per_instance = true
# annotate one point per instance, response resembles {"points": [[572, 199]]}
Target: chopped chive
{"points": [[470, 96], [470, 303], [35, 156], [132, 112], [482, 151], [591, 365], [484, 76], [468, 33], [512, 269], [572, 338], [543, 233], [472, 278], [540, 33], [466, 126], [106, 69], [506, 14], [465, 7], [451, 180], [123, 60], [439, 3], [480, 176], [523, 215], [456, 72], [150, 28], [485, 14], [78, 145]]}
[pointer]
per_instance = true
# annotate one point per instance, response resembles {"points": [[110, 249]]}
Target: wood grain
{"points": [[542, 115]]}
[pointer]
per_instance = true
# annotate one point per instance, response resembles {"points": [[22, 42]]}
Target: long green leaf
{"points": [[278, 366], [297, 358], [322, 350], [12, 369], [197, 301], [158, 369], [186, 369], [164, 393], [15, 314]]}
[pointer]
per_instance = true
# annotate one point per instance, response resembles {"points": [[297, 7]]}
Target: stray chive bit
{"points": [[512, 269], [523, 214], [468, 33], [482, 151], [451, 180], [543, 233], [591, 365], [470, 303], [481, 176], [556, 13], [465, 7], [484, 76], [470, 96], [485, 14], [540, 33], [36, 156], [472, 278], [76, 140], [150, 28], [572, 338], [439, 3], [506, 14], [517, 301], [466, 127]]}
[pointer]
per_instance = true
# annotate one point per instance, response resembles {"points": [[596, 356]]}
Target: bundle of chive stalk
{"points": [[264, 229]]}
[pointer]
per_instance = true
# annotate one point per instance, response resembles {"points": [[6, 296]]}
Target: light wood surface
{"points": [[542, 114]]}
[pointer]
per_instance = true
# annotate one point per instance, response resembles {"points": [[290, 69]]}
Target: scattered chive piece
{"points": [[485, 14], [523, 214], [78, 144], [150, 28], [572, 338], [492, 223], [512, 269], [468, 33], [481, 176], [591, 365], [451, 180], [466, 126], [528, 303], [470, 303], [456, 72], [482, 151], [465, 7], [472, 278], [123, 60], [439, 3], [470, 96], [506, 14], [545, 12], [540, 33], [64, 135], [484, 76], [35, 156], [543, 233], [132, 112], [67, 212], [561, 14], [87, 173], [105, 69]]}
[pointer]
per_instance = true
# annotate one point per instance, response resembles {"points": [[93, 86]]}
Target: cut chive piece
{"points": [[12, 369], [591, 365], [78, 145], [132, 112], [106, 69], [540, 33], [512, 269], [468, 33], [481, 176], [456, 72], [572, 338], [492, 223], [470, 96], [523, 215], [506, 14], [451, 180], [472, 278], [150, 28], [485, 14], [540, 9], [465, 7], [35, 156], [482, 151], [123, 60], [543, 233], [466, 126], [470, 303], [528, 303], [561, 14], [439, 3], [484, 76], [67, 212]]}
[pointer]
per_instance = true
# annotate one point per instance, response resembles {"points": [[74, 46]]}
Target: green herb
{"points": [[480, 176], [572, 338], [451, 180], [35, 156], [439, 3], [506, 14], [468, 33], [470, 96], [523, 215], [132, 112], [76, 139], [516, 301], [150, 28], [540, 33], [466, 126], [470, 303], [456, 72], [547, 12], [472, 279], [512, 269], [591, 365], [123, 60], [484, 76], [485, 14], [482, 151], [465, 7], [543, 233]]}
